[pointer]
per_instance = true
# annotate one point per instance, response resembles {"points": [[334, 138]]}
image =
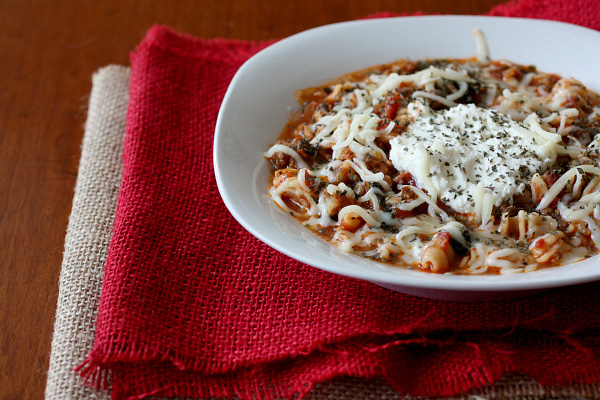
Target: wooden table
{"points": [[48, 52]]}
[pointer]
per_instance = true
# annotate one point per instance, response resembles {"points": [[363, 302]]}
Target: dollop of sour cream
{"points": [[450, 152]]}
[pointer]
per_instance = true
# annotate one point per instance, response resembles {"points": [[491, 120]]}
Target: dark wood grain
{"points": [[48, 52]]}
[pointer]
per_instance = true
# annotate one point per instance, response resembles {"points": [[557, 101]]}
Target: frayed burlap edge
{"points": [[86, 246]]}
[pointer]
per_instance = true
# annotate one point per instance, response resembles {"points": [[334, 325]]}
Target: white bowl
{"points": [[260, 99]]}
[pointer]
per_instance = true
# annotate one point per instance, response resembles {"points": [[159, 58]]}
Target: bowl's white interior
{"points": [[261, 98]]}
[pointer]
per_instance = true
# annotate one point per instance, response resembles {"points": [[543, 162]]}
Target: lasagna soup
{"points": [[461, 166]]}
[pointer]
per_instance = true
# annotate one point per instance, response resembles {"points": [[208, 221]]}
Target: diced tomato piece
{"points": [[391, 110], [405, 178], [391, 106], [551, 176], [403, 213]]}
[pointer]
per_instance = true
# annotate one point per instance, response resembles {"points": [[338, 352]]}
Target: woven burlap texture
{"points": [[88, 234], [86, 246]]}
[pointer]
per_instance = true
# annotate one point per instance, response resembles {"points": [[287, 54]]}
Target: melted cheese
{"points": [[562, 182], [286, 150], [466, 155]]}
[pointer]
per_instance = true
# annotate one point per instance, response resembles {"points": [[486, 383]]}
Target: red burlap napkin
{"points": [[193, 305]]}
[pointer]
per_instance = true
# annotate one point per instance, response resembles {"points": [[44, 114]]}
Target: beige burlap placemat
{"points": [[88, 234], [86, 246]]}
